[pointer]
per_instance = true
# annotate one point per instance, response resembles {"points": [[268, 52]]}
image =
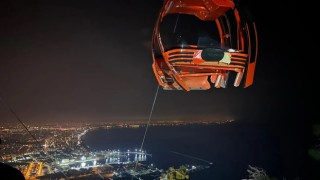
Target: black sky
{"points": [[91, 61]]}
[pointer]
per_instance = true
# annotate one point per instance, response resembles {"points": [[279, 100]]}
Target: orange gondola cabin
{"points": [[197, 44]]}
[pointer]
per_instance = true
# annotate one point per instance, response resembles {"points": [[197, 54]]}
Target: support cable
{"points": [[20, 121], [148, 123]]}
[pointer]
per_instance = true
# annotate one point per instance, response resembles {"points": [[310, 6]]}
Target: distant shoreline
{"points": [[116, 124]]}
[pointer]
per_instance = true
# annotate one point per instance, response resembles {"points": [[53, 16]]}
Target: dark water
{"points": [[230, 147]]}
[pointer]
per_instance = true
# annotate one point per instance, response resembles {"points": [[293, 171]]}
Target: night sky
{"points": [[82, 61], [90, 61]]}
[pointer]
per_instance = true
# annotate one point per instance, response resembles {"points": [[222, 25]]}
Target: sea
{"points": [[227, 148]]}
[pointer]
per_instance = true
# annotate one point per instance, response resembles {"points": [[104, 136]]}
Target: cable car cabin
{"points": [[196, 42]]}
